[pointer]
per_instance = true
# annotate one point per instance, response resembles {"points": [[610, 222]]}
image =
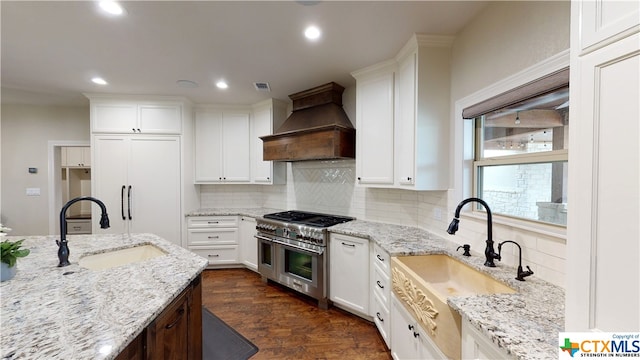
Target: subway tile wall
{"points": [[329, 187]]}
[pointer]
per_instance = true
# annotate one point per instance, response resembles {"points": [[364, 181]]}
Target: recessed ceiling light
{"points": [[312, 33], [111, 7], [222, 84], [99, 81]]}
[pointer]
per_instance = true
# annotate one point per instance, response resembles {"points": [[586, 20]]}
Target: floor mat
{"points": [[222, 342]]}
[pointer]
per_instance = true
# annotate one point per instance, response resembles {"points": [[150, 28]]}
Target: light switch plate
{"points": [[33, 191]]}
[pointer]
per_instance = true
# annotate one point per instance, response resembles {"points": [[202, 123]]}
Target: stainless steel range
{"points": [[292, 250]]}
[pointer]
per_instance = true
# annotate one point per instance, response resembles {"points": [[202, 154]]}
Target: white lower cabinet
{"points": [[477, 346], [214, 238], [381, 292], [349, 273], [248, 242], [408, 340]]}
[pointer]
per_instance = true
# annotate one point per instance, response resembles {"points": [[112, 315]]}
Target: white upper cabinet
{"points": [[402, 118], [76, 156], [375, 96], [603, 22], [267, 117], [129, 116], [422, 113], [222, 146]]}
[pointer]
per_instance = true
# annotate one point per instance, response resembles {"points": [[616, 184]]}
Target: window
{"points": [[520, 166]]}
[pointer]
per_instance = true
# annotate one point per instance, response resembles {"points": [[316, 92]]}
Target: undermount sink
{"points": [[423, 284], [120, 257]]}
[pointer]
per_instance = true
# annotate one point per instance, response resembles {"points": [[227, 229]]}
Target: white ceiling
{"points": [[51, 49]]}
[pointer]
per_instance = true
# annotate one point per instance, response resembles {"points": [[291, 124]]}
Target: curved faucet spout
{"points": [[63, 248], [521, 273], [489, 252]]}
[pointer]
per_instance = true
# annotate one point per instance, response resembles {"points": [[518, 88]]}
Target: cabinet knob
{"points": [[359, 178], [408, 179], [133, 129]]}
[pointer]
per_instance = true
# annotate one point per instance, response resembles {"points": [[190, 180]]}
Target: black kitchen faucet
{"points": [[489, 252], [63, 248]]}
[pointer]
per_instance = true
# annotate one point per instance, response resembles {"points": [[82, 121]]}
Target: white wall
{"points": [[26, 131]]}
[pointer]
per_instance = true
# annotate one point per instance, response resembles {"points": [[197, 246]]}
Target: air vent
{"points": [[262, 86]]}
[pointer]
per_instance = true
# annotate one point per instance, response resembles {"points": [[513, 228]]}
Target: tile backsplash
{"points": [[329, 187]]}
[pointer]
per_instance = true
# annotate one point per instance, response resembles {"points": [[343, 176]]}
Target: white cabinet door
{"points": [[248, 243], [138, 179], [266, 118], [478, 346], [208, 143], [160, 119], [403, 329], [114, 117], [222, 148], [603, 22], [349, 272], [154, 181], [109, 181], [604, 174], [374, 121], [405, 121], [236, 147]]}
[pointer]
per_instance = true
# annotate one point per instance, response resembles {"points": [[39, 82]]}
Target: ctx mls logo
{"points": [[599, 344]]}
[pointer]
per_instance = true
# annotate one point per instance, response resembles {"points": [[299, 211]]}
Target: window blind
{"points": [[527, 91]]}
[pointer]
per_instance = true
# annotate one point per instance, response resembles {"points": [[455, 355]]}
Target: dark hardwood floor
{"points": [[287, 325]]}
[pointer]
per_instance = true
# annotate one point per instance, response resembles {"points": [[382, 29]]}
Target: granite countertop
{"points": [[525, 324], [251, 212], [49, 312]]}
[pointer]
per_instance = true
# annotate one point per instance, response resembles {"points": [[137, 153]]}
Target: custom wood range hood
{"points": [[317, 129]]}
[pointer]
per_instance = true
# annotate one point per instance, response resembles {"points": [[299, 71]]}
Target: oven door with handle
{"points": [[302, 270], [267, 257]]}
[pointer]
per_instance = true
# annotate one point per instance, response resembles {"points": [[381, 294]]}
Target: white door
{"points": [[208, 142], [405, 121], [154, 178], [109, 181], [261, 127]]}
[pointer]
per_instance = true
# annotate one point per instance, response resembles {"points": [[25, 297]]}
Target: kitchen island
{"points": [[49, 312]]}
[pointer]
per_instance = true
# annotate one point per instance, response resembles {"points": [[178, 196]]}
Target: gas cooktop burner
{"points": [[308, 218]]}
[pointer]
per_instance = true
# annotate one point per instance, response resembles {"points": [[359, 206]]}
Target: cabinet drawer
{"points": [[382, 319], [207, 237], [381, 258], [219, 255], [79, 226], [381, 285], [212, 221]]}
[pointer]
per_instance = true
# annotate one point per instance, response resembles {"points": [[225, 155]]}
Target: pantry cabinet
{"points": [[267, 116], [604, 173], [402, 116], [375, 96], [214, 238], [138, 179], [222, 146], [349, 273]]}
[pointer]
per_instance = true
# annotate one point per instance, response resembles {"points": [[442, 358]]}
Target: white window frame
{"points": [[463, 144]]}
